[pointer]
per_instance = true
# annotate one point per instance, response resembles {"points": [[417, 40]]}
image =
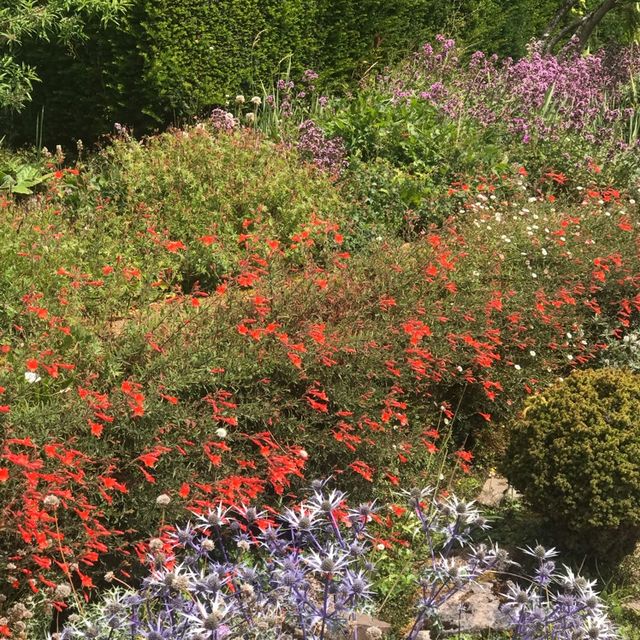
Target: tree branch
{"points": [[555, 21], [570, 29], [593, 20]]}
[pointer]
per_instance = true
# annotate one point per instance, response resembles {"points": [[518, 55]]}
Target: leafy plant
{"points": [[572, 456], [23, 179]]}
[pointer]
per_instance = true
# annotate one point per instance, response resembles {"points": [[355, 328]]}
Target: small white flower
{"points": [[256, 101], [517, 367], [532, 353], [31, 377], [250, 117], [221, 433], [62, 591], [239, 99], [374, 633], [163, 500], [155, 544], [303, 454], [51, 501]]}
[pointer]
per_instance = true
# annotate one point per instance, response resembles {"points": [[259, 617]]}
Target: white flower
{"points": [[239, 99], [532, 353], [155, 544], [303, 454], [51, 501], [163, 500], [62, 591], [31, 377], [250, 117], [221, 433], [374, 633], [256, 101], [517, 367]]}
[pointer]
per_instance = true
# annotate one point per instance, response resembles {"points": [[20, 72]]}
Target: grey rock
{"points": [[495, 490], [364, 621], [474, 609]]}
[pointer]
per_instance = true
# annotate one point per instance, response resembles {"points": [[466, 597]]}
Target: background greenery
{"points": [[162, 62]]}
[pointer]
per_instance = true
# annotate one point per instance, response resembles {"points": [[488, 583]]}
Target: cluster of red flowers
{"points": [[303, 355]]}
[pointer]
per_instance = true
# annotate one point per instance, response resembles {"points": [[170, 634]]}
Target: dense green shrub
{"points": [[167, 61], [574, 455]]}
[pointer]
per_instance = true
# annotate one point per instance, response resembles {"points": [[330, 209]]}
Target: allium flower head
{"points": [[163, 500]]}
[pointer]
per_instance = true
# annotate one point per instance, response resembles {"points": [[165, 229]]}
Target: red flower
{"points": [[363, 469], [173, 246], [96, 428]]}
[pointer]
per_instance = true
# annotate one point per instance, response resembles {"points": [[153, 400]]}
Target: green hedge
{"points": [[199, 52], [171, 60]]}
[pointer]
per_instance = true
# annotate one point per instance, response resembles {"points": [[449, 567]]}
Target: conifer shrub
{"points": [[574, 455]]}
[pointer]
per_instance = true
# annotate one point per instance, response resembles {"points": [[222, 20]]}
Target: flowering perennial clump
{"points": [[326, 153], [304, 571]]}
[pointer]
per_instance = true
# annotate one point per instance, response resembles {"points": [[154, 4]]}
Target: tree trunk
{"points": [[561, 13], [593, 20], [583, 27]]}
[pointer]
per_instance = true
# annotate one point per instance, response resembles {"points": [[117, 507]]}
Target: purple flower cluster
{"points": [[222, 120], [305, 571], [541, 96], [328, 154], [245, 574], [556, 605]]}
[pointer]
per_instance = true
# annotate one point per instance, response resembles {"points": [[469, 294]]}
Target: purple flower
{"points": [[325, 153]]}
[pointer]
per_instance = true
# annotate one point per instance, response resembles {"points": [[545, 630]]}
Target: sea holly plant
{"points": [[304, 571]]}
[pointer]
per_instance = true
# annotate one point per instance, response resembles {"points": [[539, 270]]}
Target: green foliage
{"points": [[574, 453], [166, 61], [191, 183], [197, 53], [62, 21], [20, 174], [404, 153]]}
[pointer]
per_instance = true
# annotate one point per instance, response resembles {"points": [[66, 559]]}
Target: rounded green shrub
{"points": [[574, 456]]}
